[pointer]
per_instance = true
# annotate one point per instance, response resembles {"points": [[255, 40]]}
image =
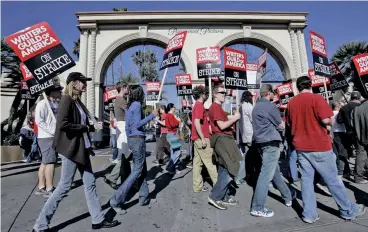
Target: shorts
{"points": [[48, 154]]}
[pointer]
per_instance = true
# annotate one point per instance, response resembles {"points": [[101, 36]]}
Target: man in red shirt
{"points": [[227, 153], [308, 116], [201, 139]]}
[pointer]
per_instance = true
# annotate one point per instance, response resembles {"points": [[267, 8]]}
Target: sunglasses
{"points": [[222, 92]]}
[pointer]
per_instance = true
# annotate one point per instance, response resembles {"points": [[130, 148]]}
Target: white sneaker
{"points": [[115, 161], [264, 213], [119, 210], [289, 204]]}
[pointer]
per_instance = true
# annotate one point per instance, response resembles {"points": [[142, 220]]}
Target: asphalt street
{"points": [[178, 208]]}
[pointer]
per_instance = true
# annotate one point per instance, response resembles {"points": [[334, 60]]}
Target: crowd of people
{"points": [[318, 137]]}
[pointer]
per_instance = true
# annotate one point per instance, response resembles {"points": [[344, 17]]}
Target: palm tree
{"points": [[130, 79], [76, 48], [343, 56], [146, 61]]}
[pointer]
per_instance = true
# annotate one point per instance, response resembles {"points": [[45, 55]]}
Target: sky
{"points": [[338, 22]]}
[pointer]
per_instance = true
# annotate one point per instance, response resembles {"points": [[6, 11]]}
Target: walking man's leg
{"points": [[308, 195], [270, 157], [325, 165]]}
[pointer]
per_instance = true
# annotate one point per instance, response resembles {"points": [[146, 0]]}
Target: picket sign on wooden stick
{"points": [[343, 94], [326, 92], [27, 101], [209, 89], [162, 85], [48, 106]]}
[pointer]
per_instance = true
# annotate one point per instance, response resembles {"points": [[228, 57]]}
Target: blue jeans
{"points": [[139, 172], [175, 152], [242, 171], [270, 171], [220, 190], [292, 165], [113, 145], [68, 169], [325, 164]]}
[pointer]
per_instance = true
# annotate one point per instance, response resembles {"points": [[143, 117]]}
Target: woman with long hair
{"points": [[172, 125], [161, 142], [246, 132], [135, 121], [73, 144]]}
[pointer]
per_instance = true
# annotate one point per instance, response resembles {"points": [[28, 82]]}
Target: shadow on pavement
{"points": [[361, 197], [61, 226], [21, 172]]}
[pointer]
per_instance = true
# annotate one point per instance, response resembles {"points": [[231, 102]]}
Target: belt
{"points": [[138, 136]]}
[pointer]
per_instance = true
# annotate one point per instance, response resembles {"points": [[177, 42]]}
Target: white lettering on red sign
{"points": [[32, 41], [176, 42], [262, 58], [183, 79], [361, 64], [334, 69], [318, 44], [252, 67], [27, 75], [235, 59], [284, 89], [208, 55], [317, 80], [153, 86]]}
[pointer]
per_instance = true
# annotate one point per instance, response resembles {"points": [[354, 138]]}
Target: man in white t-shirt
{"points": [[46, 131]]}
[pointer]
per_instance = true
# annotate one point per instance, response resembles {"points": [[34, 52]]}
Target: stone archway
{"points": [[277, 51], [129, 41]]}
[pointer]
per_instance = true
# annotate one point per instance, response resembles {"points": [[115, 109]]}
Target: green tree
{"points": [[130, 79], [343, 57], [10, 70], [146, 62], [76, 48]]}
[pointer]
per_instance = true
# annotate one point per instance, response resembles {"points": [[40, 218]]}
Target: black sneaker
{"points": [[48, 193], [40, 192], [105, 224], [110, 183], [217, 204]]}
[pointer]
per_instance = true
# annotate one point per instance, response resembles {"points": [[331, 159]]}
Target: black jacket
{"points": [[344, 116], [68, 140]]}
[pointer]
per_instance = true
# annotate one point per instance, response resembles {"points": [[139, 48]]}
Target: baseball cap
{"points": [[355, 95], [53, 88], [76, 76]]}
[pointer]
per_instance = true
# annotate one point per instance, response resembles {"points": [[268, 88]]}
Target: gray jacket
{"points": [[266, 120], [246, 128]]}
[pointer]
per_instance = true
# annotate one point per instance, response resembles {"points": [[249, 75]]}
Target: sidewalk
{"points": [[178, 209]]}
